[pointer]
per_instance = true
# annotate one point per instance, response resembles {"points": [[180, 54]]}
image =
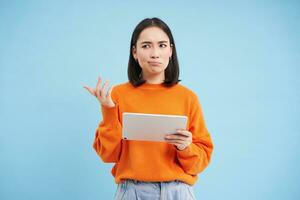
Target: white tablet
{"points": [[151, 127]]}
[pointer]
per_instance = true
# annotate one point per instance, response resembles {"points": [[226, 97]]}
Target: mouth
{"points": [[154, 63]]}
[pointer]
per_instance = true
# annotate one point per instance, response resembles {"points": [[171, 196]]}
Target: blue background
{"points": [[240, 57]]}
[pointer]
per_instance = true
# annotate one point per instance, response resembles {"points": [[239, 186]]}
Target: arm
{"points": [[107, 142], [196, 157], [108, 137]]}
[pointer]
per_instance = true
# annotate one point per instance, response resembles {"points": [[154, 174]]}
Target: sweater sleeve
{"points": [[108, 137], [196, 157]]}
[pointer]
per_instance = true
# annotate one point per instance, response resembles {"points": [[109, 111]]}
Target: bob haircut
{"points": [[135, 71]]}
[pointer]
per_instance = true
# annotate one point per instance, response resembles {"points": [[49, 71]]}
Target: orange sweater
{"points": [[153, 161]]}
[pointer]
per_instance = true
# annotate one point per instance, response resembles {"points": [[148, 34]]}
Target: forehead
{"points": [[153, 34]]}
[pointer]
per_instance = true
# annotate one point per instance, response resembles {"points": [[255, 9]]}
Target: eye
{"points": [[146, 46], [163, 45]]}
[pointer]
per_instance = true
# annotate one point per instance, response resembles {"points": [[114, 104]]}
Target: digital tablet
{"points": [[150, 127]]}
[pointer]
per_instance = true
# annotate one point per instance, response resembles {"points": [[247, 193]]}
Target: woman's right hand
{"points": [[100, 93]]}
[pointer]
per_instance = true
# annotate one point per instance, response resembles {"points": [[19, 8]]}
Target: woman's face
{"points": [[152, 51]]}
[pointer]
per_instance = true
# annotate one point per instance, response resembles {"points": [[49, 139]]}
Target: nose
{"points": [[154, 53]]}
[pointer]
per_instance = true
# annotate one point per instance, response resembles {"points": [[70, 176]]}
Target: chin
{"points": [[156, 71]]}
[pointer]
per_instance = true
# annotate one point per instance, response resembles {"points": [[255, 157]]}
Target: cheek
{"points": [[142, 57], [166, 55]]}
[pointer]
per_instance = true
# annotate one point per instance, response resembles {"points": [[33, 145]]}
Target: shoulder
{"points": [[192, 99], [120, 89], [122, 86], [187, 92]]}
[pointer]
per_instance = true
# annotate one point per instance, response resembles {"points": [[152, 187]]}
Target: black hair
{"points": [[134, 70]]}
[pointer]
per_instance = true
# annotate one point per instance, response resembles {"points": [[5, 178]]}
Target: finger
{"points": [[177, 136], [103, 89], [184, 132], [180, 135], [177, 144], [176, 141], [109, 92], [91, 90], [98, 87], [173, 139]]}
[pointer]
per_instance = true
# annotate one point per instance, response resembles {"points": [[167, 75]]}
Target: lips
{"points": [[154, 63]]}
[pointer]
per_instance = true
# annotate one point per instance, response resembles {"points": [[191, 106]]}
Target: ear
{"points": [[134, 52], [171, 50]]}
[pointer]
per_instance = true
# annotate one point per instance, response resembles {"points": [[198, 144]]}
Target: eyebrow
{"points": [[148, 42]]}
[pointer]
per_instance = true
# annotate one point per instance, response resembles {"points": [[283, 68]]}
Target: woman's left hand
{"points": [[181, 139]]}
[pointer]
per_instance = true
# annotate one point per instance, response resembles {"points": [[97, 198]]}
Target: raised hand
{"points": [[100, 93]]}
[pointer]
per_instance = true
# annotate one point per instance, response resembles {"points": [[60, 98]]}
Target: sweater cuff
{"points": [[110, 114], [185, 152]]}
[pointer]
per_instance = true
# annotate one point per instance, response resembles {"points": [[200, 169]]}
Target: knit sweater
{"points": [[146, 160]]}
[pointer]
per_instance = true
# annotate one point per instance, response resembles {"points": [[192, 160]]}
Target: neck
{"points": [[155, 79]]}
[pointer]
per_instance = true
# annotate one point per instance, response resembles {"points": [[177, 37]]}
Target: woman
{"points": [[152, 170]]}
